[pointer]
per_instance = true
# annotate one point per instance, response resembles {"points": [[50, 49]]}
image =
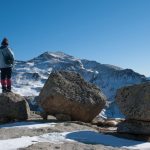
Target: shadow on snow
{"points": [[91, 137]]}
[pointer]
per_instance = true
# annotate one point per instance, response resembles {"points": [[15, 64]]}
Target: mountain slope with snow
{"points": [[30, 76]]}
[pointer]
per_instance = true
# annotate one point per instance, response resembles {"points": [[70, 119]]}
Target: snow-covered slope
{"points": [[30, 76]]}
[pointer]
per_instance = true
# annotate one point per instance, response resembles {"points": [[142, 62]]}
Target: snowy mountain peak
{"points": [[54, 55], [57, 54], [113, 67], [108, 77]]}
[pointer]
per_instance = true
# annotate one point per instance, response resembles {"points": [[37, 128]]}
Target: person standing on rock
{"points": [[6, 64]]}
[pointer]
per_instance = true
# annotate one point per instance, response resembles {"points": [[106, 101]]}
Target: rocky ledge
{"points": [[80, 135], [73, 128]]}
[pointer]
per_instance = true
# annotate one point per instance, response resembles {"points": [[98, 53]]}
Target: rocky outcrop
{"points": [[69, 94], [13, 107], [134, 103]]}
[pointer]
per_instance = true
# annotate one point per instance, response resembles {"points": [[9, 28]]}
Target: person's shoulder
{"points": [[2, 47]]}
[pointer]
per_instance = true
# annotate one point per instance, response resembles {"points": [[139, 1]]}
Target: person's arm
{"points": [[10, 52]]}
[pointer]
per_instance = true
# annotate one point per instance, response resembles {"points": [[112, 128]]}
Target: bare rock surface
{"points": [[7, 133], [11, 133], [69, 146], [13, 107], [134, 101], [69, 94], [60, 127]]}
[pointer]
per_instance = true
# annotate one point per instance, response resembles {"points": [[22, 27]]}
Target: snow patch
{"points": [[30, 125], [14, 144]]}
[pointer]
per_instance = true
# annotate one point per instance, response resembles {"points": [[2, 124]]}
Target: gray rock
{"points": [[62, 117], [69, 146], [134, 127], [134, 101], [68, 93], [13, 107]]}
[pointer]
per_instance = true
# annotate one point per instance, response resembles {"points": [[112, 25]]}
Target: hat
{"points": [[4, 42]]}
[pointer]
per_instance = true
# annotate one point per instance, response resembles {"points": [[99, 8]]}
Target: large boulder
{"points": [[134, 101], [69, 94], [13, 107]]}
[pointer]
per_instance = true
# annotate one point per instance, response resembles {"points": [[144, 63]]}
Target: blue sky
{"points": [[113, 32]]}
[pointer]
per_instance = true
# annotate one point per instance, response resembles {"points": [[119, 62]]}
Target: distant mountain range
{"points": [[30, 76]]}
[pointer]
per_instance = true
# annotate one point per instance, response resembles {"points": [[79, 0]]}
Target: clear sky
{"points": [[113, 32]]}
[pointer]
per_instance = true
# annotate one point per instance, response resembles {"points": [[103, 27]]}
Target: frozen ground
{"points": [[55, 136]]}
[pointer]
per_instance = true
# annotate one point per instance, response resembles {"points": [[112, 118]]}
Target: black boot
{"points": [[9, 89], [4, 90]]}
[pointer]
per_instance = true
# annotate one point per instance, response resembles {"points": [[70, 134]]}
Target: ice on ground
{"points": [[30, 125]]}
